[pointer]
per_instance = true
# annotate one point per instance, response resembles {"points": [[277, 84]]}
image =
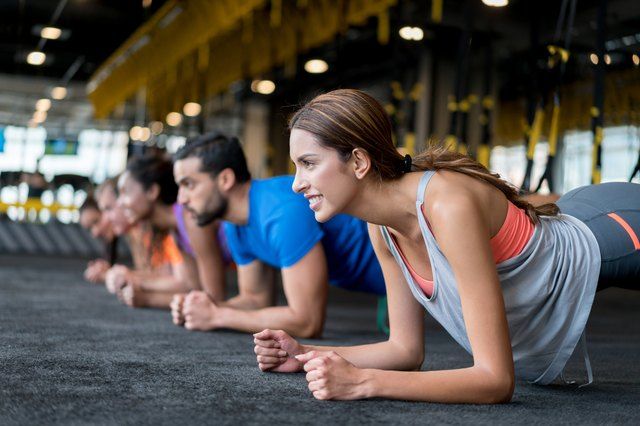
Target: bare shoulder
{"points": [[378, 243], [449, 189], [453, 194]]}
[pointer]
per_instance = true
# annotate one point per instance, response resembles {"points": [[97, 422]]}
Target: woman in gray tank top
{"points": [[520, 318]]}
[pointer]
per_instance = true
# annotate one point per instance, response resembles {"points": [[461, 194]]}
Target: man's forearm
{"points": [[277, 317], [244, 302]]}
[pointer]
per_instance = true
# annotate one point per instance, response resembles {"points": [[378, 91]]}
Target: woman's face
{"points": [[136, 202], [326, 181], [97, 223], [108, 203]]}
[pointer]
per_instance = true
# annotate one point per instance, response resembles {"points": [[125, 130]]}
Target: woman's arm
{"points": [[461, 229], [463, 236], [403, 351]]}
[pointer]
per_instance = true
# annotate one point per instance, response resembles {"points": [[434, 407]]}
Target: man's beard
{"points": [[207, 217]]}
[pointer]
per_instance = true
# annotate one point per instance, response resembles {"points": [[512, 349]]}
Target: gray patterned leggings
{"points": [[612, 212]]}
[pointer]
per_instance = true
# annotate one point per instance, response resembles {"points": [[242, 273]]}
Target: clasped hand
{"points": [[329, 376]]}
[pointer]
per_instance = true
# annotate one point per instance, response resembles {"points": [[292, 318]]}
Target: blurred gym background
{"points": [[545, 92]]}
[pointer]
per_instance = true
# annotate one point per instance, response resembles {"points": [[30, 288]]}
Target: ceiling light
{"points": [[636, 60], [156, 127], [191, 109], [59, 93], [36, 58], [43, 104], [316, 66], [39, 116], [145, 134], [135, 133], [607, 59], [594, 58], [146, 3], [496, 3], [264, 87], [174, 119], [51, 33], [411, 33]]}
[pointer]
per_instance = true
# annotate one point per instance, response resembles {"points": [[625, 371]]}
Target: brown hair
{"points": [[347, 119]]}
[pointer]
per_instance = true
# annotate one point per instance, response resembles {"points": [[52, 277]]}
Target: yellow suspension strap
{"points": [[557, 63], [394, 110], [557, 60], [410, 136], [383, 27], [275, 18], [596, 165], [535, 110], [451, 140], [553, 146], [597, 110], [483, 152], [459, 105], [534, 136], [465, 106], [436, 11]]}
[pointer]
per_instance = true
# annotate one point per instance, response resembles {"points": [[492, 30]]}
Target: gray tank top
{"points": [[548, 290]]}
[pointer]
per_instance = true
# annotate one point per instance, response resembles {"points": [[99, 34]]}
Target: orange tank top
{"points": [[511, 239]]}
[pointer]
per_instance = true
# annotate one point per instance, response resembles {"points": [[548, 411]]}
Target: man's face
{"points": [[198, 192]]}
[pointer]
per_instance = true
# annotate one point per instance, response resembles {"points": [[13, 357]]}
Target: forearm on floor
{"points": [[468, 385], [165, 283], [276, 317], [245, 302], [156, 299], [382, 355]]}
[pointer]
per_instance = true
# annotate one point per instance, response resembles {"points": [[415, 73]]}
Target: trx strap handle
{"points": [[636, 169], [596, 175]]}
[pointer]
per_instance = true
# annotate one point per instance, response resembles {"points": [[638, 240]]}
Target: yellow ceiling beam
{"points": [[210, 44]]}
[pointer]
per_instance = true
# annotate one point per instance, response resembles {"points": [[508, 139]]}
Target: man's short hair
{"points": [[217, 152]]}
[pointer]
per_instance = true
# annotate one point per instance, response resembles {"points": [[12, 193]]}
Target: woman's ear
{"points": [[361, 162], [153, 192]]}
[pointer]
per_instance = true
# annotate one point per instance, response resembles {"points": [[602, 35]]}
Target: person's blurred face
{"points": [[108, 203], [136, 202], [96, 223], [198, 192]]}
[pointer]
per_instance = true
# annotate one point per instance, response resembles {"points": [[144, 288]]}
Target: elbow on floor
{"points": [[414, 361], [500, 392], [309, 329]]}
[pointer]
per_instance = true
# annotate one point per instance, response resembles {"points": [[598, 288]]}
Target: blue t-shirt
{"points": [[282, 229]]}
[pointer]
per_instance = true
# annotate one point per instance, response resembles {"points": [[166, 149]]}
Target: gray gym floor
{"points": [[71, 354]]}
